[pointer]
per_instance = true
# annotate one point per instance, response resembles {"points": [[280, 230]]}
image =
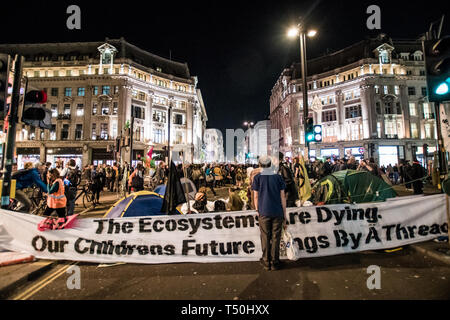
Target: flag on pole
{"points": [[174, 194], [150, 153], [304, 184]]}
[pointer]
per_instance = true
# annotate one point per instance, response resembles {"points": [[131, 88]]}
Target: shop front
{"points": [[329, 153], [64, 155], [102, 156], [357, 152], [420, 157], [25, 155], [390, 155]]}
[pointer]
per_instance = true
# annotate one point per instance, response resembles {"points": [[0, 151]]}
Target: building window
{"points": [[94, 131], [353, 112], [411, 91], [178, 119], [67, 92], [69, 73], [329, 115], [414, 131], [56, 73], [348, 96], [105, 109], [80, 110], [81, 92], [94, 109], [159, 116], [179, 138], [379, 129], [114, 129], [412, 109], [54, 110], [116, 89], [104, 131], [65, 132], [397, 90], [427, 112], [388, 109], [422, 72], [429, 131], [424, 91], [79, 132], [139, 112], [95, 90], [67, 109], [385, 90], [54, 92], [53, 132], [106, 90], [158, 136], [115, 108], [377, 89], [37, 74]]}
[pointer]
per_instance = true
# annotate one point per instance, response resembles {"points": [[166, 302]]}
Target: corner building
{"points": [[92, 87], [372, 93]]}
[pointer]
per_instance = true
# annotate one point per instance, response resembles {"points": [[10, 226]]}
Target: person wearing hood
{"points": [[26, 178]]}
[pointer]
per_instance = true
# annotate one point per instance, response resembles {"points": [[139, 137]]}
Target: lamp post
{"points": [[300, 31], [249, 124]]}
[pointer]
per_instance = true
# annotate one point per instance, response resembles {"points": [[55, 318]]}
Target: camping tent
{"points": [[350, 186], [139, 204]]}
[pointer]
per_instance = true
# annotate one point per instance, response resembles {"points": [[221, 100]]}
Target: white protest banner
{"points": [[228, 237]]}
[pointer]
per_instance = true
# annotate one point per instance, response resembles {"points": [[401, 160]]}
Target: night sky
{"points": [[236, 48]]}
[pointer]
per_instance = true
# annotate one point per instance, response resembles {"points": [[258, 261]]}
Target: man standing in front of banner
{"points": [[270, 203]]}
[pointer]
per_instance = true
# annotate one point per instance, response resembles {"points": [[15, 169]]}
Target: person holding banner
{"points": [[270, 203]]}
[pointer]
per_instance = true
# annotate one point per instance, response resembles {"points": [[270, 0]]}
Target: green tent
{"points": [[350, 186]]}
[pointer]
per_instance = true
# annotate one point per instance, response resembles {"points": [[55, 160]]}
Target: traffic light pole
{"points": [[441, 151], [11, 137]]}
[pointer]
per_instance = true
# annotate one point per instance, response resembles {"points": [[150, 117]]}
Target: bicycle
{"points": [[87, 194], [37, 198]]}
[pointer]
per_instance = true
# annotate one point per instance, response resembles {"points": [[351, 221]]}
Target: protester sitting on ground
{"points": [[27, 178], [235, 202], [201, 202], [220, 206]]}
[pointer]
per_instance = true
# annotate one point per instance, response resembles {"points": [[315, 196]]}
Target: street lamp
{"points": [[299, 31], [248, 124]]}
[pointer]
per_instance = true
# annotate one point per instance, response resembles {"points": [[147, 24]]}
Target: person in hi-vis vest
{"points": [[56, 200]]}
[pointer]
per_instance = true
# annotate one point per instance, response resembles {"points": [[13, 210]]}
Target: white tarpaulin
{"points": [[228, 237]]}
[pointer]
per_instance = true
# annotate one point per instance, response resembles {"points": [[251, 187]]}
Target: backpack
{"points": [[137, 182], [74, 177], [19, 174]]}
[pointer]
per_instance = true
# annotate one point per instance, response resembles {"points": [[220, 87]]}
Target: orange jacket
{"points": [[58, 199]]}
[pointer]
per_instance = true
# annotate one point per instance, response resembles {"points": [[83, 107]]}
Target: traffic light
{"points": [[5, 61], [317, 133], [309, 130], [34, 114], [372, 149], [437, 63]]}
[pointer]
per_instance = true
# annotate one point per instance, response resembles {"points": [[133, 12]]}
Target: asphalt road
{"points": [[404, 275]]}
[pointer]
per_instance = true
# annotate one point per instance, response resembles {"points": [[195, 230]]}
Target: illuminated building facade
{"points": [[93, 87], [369, 96]]}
